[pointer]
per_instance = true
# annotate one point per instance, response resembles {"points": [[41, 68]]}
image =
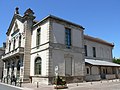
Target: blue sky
{"points": [[100, 18]]}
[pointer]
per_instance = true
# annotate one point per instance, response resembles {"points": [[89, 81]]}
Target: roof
{"points": [[12, 22], [98, 40], [100, 63], [60, 19]]}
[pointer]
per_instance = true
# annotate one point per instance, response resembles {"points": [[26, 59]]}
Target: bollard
{"points": [[101, 81], [37, 85], [91, 82], [4, 80], [77, 84], [15, 83]]}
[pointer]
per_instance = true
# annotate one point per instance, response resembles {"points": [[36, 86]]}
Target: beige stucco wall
{"points": [[58, 59], [103, 52], [42, 51], [44, 57], [44, 36], [58, 34], [60, 52], [57, 56]]}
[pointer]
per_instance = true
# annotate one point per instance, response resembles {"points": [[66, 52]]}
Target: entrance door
{"points": [[68, 66], [103, 74]]}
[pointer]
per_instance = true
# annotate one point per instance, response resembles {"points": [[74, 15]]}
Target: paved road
{"points": [[105, 85], [8, 87]]}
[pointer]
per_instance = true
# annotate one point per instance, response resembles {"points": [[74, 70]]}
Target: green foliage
{"points": [[116, 61], [60, 81]]}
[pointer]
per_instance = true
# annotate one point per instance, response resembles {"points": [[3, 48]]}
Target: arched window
{"points": [[38, 66]]}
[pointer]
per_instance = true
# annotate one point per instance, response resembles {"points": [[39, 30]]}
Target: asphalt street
{"points": [[8, 87]]}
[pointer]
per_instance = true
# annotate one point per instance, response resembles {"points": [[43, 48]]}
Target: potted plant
{"points": [[60, 83]]}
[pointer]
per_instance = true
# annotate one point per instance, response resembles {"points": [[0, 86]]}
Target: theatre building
{"points": [[37, 51]]}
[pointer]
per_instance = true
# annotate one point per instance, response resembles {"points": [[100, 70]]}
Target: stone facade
{"points": [[2, 51], [38, 51]]}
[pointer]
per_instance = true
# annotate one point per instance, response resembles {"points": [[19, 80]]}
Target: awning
{"points": [[101, 63]]}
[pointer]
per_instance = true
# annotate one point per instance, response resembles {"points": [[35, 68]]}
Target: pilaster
{"points": [[28, 23]]}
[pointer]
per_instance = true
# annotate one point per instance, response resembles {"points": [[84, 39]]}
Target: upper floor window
{"points": [[14, 43], [85, 48], [20, 41], [94, 52], [9, 46], [68, 37], [38, 37]]}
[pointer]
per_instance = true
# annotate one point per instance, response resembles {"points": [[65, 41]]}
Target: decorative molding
{"points": [[40, 45], [63, 47], [66, 24]]}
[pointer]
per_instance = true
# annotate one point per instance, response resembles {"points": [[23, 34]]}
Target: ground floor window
{"points": [[88, 70], [38, 66]]}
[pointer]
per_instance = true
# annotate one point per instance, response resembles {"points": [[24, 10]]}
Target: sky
{"points": [[100, 18]]}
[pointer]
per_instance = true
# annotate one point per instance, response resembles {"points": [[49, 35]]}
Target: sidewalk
{"points": [[70, 86], [39, 87]]}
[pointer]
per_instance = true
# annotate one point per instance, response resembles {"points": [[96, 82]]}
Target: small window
{"points": [[38, 37], [14, 43], [9, 46], [94, 52], [85, 48], [87, 70], [20, 41]]}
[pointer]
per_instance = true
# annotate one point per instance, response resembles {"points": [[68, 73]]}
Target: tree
{"points": [[116, 60]]}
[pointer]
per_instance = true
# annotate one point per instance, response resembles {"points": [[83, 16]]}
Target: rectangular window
{"points": [[85, 48], [20, 41], [94, 52], [9, 46], [68, 37], [87, 69], [38, 38], [14, 44]]}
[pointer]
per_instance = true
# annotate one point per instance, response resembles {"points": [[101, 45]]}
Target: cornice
{"points": [[86, 37]]}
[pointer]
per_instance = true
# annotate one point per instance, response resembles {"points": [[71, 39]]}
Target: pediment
{"points": [[14, 23]]}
